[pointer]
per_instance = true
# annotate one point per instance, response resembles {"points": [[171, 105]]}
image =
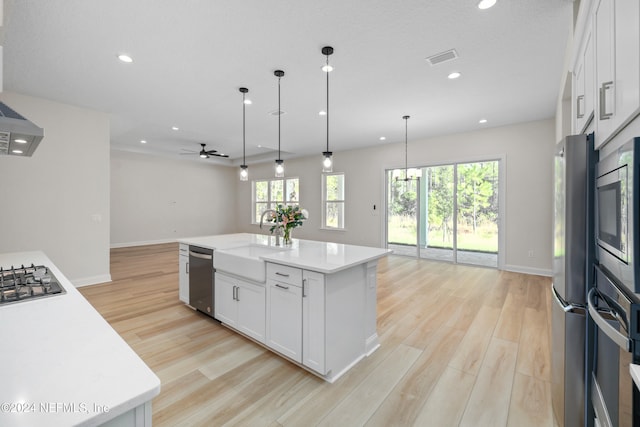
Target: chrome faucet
{"points": [[278, 229]]}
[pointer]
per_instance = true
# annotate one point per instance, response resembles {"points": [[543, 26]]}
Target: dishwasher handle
{"points": [[622, 340], [199, 255]]}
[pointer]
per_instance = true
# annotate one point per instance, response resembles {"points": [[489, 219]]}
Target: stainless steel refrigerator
{"points": [[572, 264]]}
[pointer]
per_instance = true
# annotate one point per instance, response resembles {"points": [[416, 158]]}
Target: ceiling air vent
{"points": [[441, 57]]}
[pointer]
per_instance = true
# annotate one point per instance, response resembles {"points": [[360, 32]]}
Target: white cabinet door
{"points": [[313, 321], [583, 81], [617, 42], [225, 305], [284, 319], [183, 274], [605, 60], [240, 304], [250, 299]]}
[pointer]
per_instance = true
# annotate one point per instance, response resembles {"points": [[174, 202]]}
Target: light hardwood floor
{"points": [[460, 346]]}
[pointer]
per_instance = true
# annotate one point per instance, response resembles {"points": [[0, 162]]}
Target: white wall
{"points": [[58, 200], [528, 151], [154, 199]]}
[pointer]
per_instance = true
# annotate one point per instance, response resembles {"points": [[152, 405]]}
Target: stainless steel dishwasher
{"points": [[201, 279]]}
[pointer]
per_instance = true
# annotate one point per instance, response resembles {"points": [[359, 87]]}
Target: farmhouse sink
{"points": [[245, 261]]}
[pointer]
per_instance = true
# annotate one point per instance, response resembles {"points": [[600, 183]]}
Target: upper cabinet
{"points": [[583, 81], [616, 27]]}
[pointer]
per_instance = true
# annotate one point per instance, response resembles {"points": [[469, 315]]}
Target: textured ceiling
{"points": [[190, 58]]}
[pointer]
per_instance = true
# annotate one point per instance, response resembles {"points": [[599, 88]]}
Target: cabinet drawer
{"points": [[184, 249], [284, 274]]}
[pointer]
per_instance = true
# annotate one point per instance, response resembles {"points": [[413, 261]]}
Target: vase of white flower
{"points": [[288, 218]]}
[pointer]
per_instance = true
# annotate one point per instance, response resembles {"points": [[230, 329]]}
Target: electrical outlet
{"points": [[531, 253]]}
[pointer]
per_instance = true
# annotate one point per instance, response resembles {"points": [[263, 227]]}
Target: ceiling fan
{"points": [[205, 154]]}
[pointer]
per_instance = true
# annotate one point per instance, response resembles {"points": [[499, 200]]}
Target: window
{"points": [[269, 193], [333, 200]]}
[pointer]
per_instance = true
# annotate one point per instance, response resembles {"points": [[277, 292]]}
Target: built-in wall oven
{"points": [[615, 398], [617, 220]]}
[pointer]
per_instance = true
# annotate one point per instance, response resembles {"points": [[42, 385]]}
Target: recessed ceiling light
{"points": [[16, 151], [143, 141], [482, 121], [382, 138], [175, 128], [454, 75], [125, 58], [486, 4], [20, 141], [322, 113]]}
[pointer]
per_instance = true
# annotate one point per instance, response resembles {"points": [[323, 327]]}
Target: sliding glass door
{"points": [[402, 213], [450, 213], [477, 213]]}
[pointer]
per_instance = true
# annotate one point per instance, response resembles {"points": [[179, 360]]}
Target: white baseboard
{"points": [[142, 243], [528, 270], [92, 280]]}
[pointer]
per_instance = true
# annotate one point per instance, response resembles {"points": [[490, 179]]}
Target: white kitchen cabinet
{"points": [[183, 276], [330, 316], [313, 321], [617, 68], [240, 305], [583, 92], [284, 318]]}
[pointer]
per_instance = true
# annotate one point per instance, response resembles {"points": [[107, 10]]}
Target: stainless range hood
{"points": [[18, 136]]}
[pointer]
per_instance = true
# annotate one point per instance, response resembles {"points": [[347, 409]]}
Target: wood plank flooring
{"points": [[460, 346]]}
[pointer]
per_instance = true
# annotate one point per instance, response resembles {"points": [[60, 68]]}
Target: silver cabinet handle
{"points": [[622, 340], [281, 274], [579, 103], [304, 288], [603, 100], [187, 268], [235, 293], [281, 286], [199, 255]]}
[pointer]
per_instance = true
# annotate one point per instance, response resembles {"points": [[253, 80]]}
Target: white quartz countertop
{"points": [[323, 257], [635, 374], [62, 363]]}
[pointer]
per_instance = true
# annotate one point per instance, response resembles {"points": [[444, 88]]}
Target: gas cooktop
{"points": [[18, 284]]}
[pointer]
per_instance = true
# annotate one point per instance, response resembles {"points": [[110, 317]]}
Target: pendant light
{"points": [[279, 161], [244, 169], [406, 174], [327, 162]]}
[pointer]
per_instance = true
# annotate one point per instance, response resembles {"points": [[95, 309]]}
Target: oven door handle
{"points": [[622, 340]]}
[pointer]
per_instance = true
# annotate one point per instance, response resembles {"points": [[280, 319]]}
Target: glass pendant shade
{"points": [[244, 172], [279, 168], [327, 162]]}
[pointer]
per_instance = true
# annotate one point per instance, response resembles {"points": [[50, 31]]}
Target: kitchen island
{"points": [[311, 302], [64, 365]]}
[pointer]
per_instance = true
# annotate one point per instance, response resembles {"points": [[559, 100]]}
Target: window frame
{"points": [[326, 201], [270, 201]]}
